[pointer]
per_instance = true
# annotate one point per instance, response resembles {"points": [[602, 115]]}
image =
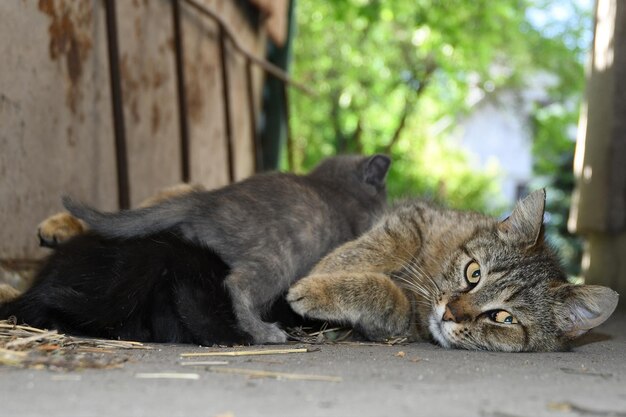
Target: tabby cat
{"points": [[460, 279]]}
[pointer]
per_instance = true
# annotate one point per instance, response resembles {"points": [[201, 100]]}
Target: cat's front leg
{"points": [[370, 302]]}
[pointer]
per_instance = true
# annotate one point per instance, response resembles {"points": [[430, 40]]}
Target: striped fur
{"points": [[407, 277]]}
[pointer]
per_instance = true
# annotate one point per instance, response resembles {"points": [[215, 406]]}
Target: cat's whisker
{"points": [[420, 301], [412, 263], [417, 270], [472, 341], [424, 294], [413, 278], [414, 306], [417, 307], [410, 282], [409, 266], [415, 265], [415, 289], [418, 275]]}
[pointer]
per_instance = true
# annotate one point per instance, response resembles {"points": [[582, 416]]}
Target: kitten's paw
{"points": [[309, 298], [268, 333], [59, 228]]}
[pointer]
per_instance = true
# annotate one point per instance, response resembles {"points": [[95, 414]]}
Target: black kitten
{"points": [[158, 288]]}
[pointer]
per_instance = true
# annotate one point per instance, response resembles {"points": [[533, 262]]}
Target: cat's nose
{"points": [[456, 311], [447, 315]]}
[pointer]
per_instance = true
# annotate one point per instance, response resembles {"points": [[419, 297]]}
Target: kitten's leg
{"points": [[371, 302], [249, 296]]}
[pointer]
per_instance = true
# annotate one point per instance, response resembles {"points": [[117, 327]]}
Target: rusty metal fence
{"points": [[225, 35]]}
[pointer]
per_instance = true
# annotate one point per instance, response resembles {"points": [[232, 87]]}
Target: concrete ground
{"points": [[424, 380]]}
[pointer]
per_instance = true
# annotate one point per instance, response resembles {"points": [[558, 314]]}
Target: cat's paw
{"points": [[310, 298], [59, 228]]}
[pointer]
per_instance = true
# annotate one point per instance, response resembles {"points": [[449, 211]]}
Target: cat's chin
{"points": [[435, 326]]}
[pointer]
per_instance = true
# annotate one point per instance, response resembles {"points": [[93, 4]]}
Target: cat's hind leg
{"points": [[249, 297], [8, 293], [59, 228], [368, 301]]}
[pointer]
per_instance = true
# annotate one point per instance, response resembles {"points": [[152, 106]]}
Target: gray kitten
{"points": [[270, 229]]}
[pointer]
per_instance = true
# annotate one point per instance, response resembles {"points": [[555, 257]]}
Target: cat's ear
{"points": [[375, 169], [579, 308], [523, 227]]}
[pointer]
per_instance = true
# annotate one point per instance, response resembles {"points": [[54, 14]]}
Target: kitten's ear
{"points": [[580, 308], [375, 170], [523, 226]]}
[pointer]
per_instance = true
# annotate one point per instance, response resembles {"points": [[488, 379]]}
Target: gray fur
{"points": [[271, 228]]}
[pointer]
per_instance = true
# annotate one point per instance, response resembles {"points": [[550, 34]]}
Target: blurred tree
{"points": [[390, 73]]}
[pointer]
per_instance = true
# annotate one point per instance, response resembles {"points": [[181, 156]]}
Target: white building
{"points": [[497, 132]]}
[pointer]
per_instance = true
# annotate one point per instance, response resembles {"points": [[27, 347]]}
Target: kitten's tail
{"points": [[128, 223]]}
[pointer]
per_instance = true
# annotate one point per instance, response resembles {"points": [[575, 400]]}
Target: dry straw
{"points": [[255, 373], [30, 347], [248, 352]]}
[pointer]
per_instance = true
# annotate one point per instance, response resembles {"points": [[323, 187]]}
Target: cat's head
{"points": [[366, 173], [503, 289]]}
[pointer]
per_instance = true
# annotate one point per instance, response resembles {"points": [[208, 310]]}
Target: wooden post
{"points": [[599, 204]]}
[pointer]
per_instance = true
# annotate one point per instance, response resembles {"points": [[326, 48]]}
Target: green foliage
{"points": [[389, 74]]}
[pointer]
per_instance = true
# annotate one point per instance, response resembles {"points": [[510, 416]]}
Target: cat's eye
{"points": [[472, 273], [502, 316]]}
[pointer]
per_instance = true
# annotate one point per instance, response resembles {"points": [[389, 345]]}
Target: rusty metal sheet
{"points": [[205, 86], [148, 77], [255, 42], [241, 119], [55, 113], [55, 106], [207, 136]]}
